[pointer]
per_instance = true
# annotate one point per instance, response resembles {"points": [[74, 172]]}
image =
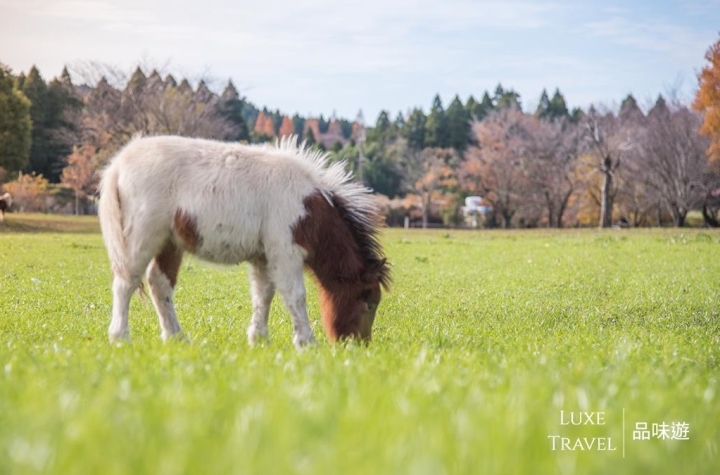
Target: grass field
{"points": [[484, 339]]}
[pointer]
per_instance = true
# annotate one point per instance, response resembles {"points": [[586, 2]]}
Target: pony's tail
{"points": [[111, 222]]}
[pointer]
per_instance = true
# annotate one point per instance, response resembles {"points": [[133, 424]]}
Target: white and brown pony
{"points": [[279, 208], [5, 203]]}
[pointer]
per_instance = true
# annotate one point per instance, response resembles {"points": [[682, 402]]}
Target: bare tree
{"points": [[556, 148], [608, 141], [673, 155]]}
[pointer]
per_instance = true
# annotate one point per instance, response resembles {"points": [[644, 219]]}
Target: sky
{"points": [[317, 57]]}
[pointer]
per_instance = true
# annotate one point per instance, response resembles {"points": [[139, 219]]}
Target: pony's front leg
{"points": [[122, 292], [289, 282], [262, 292]]}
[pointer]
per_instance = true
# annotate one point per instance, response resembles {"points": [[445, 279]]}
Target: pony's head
{"points": [[340, 236], [348, 310]]}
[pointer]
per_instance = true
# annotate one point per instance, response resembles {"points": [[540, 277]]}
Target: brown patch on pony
{"points": [[346, 257], [185, 227], [169, 260]]}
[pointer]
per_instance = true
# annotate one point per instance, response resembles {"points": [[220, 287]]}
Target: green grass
{"points": [[484, 339]]}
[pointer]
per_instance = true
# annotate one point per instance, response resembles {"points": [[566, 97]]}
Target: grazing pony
{"points": [[5, 203], [279, 208]]}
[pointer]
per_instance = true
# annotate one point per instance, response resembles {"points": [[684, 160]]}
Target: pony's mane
{"points": [[354, 202]]}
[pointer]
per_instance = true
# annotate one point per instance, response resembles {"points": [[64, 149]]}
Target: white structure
{"points": [[474, 207]]}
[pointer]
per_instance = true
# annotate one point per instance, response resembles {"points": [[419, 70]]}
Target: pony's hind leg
{"points": [[262, 292], [122, 292], [162, 277]]}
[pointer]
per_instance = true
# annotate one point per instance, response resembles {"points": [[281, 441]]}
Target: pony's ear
{"points": [[374, 270]]}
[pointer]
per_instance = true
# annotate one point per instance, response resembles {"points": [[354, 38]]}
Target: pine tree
{"points": [[15, 124], [506, 99], [543, 108], [458, 123], [398, 123], [299, 123], [472, 106], [629, 110], [558, 109], [35, 89], [231, 108], [381, 132], [414, 130], [660, 109], [436, 128], [486, 106]]}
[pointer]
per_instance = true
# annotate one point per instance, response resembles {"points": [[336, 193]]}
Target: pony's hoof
{"points": [[119, 339], [178, 337], [304, 341], [257, 336]]}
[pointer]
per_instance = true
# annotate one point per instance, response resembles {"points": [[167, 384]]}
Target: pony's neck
{"points": [[332, 251]]}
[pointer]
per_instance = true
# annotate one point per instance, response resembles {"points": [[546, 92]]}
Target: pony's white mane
{"points": [[336, 180]]}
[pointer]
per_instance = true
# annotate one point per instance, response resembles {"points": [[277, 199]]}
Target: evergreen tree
{"points": [[458, 123], [322, 125], [558, 109], [381, 132], [472, 106], [310, 138], [15, 123], [346, 127], [436, 128], [479, 110], [231, 108], [506, 99], [660, 109], [576, 115], [35, 89], [414, 130], [398, 123], [629, 110], [299, 124], [486, 106], [382, 176], [543, 108]]}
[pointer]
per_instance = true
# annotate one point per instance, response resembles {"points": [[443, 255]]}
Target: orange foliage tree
{"points": [[79, 173], [287, 127], [707, 100]]}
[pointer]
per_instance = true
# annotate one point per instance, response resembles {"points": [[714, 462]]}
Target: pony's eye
{"points": [[372, 306]]}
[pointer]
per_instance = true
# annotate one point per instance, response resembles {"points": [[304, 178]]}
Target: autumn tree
{"points": [[707, 100], [15, 125], [79, 174], [435, 173], [286, 127], [496, 168]]}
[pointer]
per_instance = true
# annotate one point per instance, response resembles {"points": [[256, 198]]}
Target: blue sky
{"points": [[320, 56]]}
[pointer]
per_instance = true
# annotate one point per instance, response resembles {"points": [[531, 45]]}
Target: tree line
{"points": [[549, 167]]}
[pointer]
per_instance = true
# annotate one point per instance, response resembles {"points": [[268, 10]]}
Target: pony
{"points": [[280, 208], [5, 203]]}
